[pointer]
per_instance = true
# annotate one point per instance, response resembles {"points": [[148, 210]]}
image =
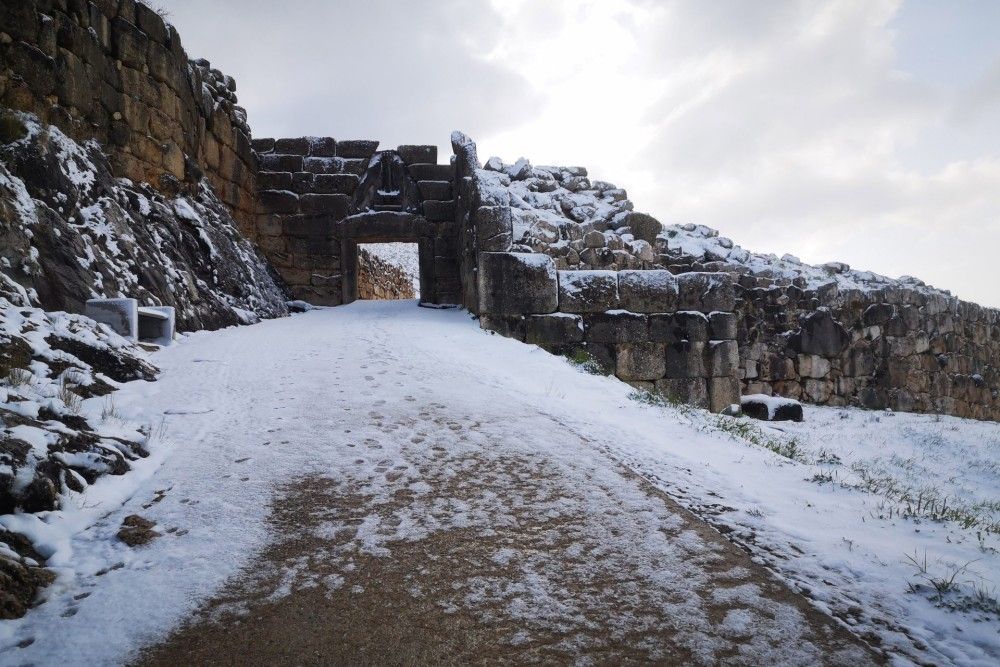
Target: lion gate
{"points": [[320, 198]]}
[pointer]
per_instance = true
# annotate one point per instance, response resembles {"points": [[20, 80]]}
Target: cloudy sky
{"points": [[864, 131]]}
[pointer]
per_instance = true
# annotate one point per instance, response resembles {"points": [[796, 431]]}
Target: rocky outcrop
{"points": [[71, 231], [116, 72]]}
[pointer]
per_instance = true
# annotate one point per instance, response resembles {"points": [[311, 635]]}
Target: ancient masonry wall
{"points": [[320, 197], [898, 348], [380, 280], [671, 334], [114, 71]]}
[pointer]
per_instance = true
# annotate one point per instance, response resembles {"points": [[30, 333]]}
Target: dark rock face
{"points": [[70, 231], [822, 335]]}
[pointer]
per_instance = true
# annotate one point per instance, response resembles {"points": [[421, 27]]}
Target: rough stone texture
{"points": [[557, 330], [121, 76], [516, 284], [901, 348], [319, 198], [380, 280], [641, 361], [588, 291], [59, 202], [653, 291]]}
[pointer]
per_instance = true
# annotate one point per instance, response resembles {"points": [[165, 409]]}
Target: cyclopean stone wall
{"points": [[900, 348], [319, 198], [380, 280], [114, 71], [671, 334]]}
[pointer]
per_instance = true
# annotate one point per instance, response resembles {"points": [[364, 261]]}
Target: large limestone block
{"points": [[641, 361], [722, 393], [685, 359], [653, 291], [706, 292], [588, 291], [690, 391], [822, 335], [616, 327], [722, 358], [553, 330], [517, 283], [643, 226]]}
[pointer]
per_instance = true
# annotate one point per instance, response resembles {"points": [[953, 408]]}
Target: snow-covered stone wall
{"points": [[823, 334], [674, 335], [383, 278], [320, 198], [114, 71], [72, 231]]}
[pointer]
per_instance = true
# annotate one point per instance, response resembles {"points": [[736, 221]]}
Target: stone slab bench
{"points": [[154, 324]]}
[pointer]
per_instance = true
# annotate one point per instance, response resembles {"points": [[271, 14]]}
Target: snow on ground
{"points": [[243, 410]]}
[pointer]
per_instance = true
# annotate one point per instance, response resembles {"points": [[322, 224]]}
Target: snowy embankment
{"points": [[247, 409]]}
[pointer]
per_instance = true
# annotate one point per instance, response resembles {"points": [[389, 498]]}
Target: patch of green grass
{"points": [[929, 503], [585, 361], [951, 586], [742, 428], [649, 398]]}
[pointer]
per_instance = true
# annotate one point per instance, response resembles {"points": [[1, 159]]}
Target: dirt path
{"points": [[465, 545]]}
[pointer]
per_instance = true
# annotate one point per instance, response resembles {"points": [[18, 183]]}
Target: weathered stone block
{"points": [[616, 327], [357, 148], [292, 146], [722, 326], [643, 226], [553, 330], [769, 408], [813, 366], [662, 328], [492, 220], [648, 291], [130, 43], [821, 335], [723, 392], [279, 201], [706, 292], [686, 359], [417, 154], [588, 291], [690, 325], [431, 172], [438, 190], [689, 391], [302, 182], [437, 211], [307, 225], [274, 180], [322, 146], [509, 326], [335, 206], [344, 184], [641, 361], [321, 165], [263, 145], [275, 162], [722, 358], [517, 283]]}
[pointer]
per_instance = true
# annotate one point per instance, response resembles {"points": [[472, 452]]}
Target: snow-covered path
{"points": [[318, 470]]}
